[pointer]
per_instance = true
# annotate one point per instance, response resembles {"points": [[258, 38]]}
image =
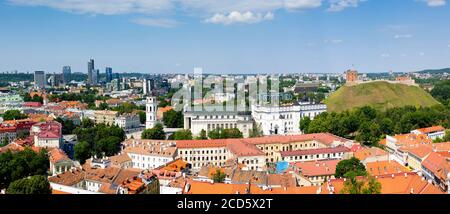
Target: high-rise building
{"points": [[91, 70], [56, 80], [147, 86], [39, 79], [95, 76], [109, 75], [67, 74]]}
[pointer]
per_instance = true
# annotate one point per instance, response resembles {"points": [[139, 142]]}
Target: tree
{"points": [[183, 135], [231, 133], [82, 151], [202, 135], [365, 185], [15, 166], [214, 134], [163, 103], [155, 133], [109, 146], [441, 91], [219, 176], [14, 115], [4, 142], [256, 131], [304, 124], [447, 136], [225, 133], [87, 123], [142, 116], [173, 119], [67, 125], [37, 184], [103, 106], [349, 168]]}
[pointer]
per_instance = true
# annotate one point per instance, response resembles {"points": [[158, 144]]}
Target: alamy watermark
{"points": [[216, 93]]}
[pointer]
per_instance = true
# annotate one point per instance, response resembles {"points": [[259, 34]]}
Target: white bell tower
{"points": [[151, 108]]}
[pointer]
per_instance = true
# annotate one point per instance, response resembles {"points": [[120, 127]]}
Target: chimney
{"points": [[412, 190], [406, 175], [393, 175]]}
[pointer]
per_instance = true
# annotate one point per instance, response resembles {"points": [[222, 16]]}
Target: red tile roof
{"points": [[315, 151], [324, 138], [317, 168], [32, 104], [241, 149], [4, 129]]}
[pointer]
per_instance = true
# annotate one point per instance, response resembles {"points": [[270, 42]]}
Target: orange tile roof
{"points": [[399, 183], [437, 164], [57, 155], [133, 185], [283, 180], [421, 151], [431, 129], [364, 153], [176, 165], [241, 149], [58, 192], [441, 147], [13, 147], [412, 139], [317, 168], [384, 168], [119, 159], [196, 187]]}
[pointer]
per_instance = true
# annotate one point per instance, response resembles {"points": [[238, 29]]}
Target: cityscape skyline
{"points": [[303, 36]]}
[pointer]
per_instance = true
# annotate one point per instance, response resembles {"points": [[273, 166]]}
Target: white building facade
{"points": [[209, 121], [151, 109], [284, 120], [128, 121]]}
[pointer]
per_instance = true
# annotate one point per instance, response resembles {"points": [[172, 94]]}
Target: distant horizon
{"points": [[226, 37], [206, 73]]}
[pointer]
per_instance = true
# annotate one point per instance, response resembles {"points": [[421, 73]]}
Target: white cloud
{"points": [[421, 54], [110, 7], [385, 55], [448, 46], [237, 17], [403, 36], [435, 3], [339, 5], [333, 41], [164, 23]]}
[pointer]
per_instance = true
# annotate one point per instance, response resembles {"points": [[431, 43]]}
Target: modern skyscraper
{"points": [[67, 74], [39, 79], [147, 86], [91, 70], [109, 75], [95, 76]]}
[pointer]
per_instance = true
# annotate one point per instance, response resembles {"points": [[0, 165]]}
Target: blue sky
{"points": [[233, 36]]}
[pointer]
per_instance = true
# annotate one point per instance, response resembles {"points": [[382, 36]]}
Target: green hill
{"points": [[380, 95]]}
